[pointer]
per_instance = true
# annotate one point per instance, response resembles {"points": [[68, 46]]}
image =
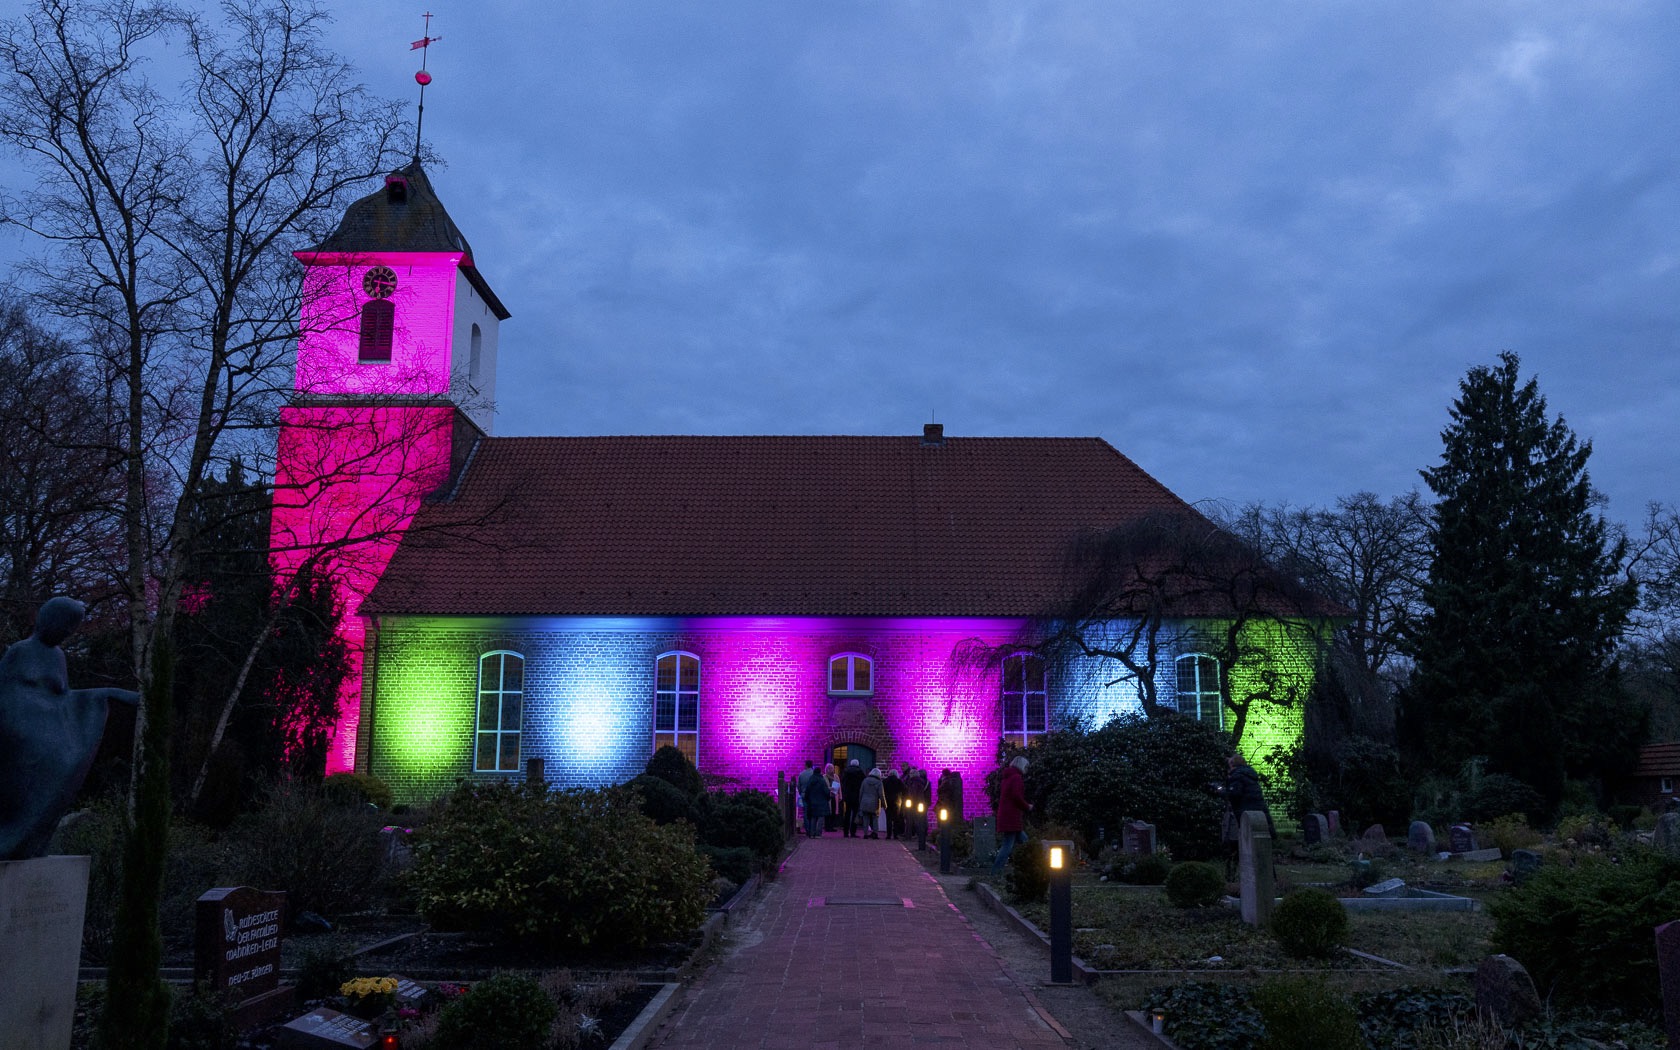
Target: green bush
{"points": [[1496, 794], [662, 802], [734, 863], [557, 869], [352, 788], [1195, 884], [1584, 933], [1151, 869], [1310, 923], [324, 966], [504, 1012], [1301, 1012], [1156, 769], [743, 818], [201, 1020], [1029, 870], [672, 766], [323, 852], [1510, 832]]}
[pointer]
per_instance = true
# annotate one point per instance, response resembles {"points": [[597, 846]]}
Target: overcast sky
{"points": [[1255, 246]]}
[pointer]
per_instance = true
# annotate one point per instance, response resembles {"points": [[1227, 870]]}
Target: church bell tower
{"points": [[396, 381]]}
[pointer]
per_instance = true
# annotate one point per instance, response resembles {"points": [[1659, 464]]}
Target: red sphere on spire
{"points": [[422, 78]]}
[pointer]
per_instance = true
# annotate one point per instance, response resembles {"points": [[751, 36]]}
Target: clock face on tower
{"points": [[379, 282]]}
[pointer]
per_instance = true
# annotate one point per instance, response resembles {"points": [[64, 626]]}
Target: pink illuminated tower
{"points": [[396, 377]]}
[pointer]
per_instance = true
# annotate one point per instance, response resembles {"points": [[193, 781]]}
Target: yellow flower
{"points": [[364, 987]]}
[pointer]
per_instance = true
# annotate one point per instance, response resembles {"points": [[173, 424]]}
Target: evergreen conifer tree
{"points": [[1524, 601]]}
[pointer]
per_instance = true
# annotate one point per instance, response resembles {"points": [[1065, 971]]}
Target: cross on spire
{"points": [[422, 78]]}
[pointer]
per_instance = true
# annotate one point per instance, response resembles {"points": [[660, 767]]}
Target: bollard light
{"points": [[944, 814], [921, 826], [1158, 1021], [944, 841], [1061, 912]]}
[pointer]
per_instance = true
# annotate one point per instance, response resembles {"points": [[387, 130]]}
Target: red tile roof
{"points": [[763, 526], [1658, 760]]}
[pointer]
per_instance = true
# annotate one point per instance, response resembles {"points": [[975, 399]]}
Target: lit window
{"points": [[676, 704], [501, 696], [1026, 705], [378, 319], [851, 674], [1666, 785], [1199, 694]]}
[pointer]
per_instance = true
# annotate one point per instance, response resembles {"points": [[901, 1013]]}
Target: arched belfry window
{"points": [[501, 702], [1026, 703], [1199, 692], [378, 319], [676, 704], [475, 353]]}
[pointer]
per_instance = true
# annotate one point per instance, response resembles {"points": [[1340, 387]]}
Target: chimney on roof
{"points": [[396, 189], [933, 433]]}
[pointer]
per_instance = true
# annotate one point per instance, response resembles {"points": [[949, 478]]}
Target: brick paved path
{"points": [[856, 945]]}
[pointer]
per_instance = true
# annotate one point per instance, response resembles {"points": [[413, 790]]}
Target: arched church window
{"points": [[851, 674], [1199, 693], [676, 704], [1026, 703], [475, 354], [501, 696]]}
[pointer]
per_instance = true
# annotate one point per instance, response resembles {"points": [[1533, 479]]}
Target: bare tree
{"points": [[1145, 593]]}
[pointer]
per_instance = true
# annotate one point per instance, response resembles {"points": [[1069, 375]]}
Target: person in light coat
{"points": [[870, 793]]}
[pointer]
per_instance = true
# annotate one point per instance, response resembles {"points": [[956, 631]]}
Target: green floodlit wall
{"points": [[1280, 662], [423, 725]]}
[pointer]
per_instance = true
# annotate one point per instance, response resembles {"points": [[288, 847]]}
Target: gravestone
{"points": [[1375, 833], [1420, 837], [1505, 992], [1524, 863], [1461, 839], [236, 943], [324, 1029], [41, 908], [412, 994], [1140, 838], [1667, 836], [394, 845], [1254, 867], [1315, 829], [1491, 853], [985, 839], [1387, 888], [1668, 973], [1334, 819]]}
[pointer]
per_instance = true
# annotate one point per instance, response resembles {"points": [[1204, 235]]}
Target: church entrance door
{"points": [[842, 754]]}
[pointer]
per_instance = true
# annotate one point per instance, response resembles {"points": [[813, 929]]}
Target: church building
{"points": [[755, 601]]}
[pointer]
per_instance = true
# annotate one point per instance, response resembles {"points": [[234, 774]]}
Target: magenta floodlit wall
{"points": [[348, 480], [424, 322]]}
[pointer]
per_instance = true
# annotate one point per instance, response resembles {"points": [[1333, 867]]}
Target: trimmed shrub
{"points": [[504, 1012], [672, 766], [1510, 832], [734, 863], [1150, 869], [557, 869], [323, 852], [1584, 933], [1195, 884], [201, 1020], [351, 788], [744, 818], [1497, 794], [323, 968], [662, 802], [1301, 1012], [1310, 923], [1029, 870]]}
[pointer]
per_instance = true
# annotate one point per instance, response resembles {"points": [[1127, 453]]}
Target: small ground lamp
{"points": [[921, 825], [1059, 857], [944, 841]]}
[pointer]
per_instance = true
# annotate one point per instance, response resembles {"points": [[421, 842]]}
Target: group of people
{"points": [[851, 801]]}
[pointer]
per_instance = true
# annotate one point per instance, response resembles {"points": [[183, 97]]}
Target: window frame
{"points": [[500, 732], [852, 659], [377, 332], [1199, 693], [1020, 700], [1665, 785], [676, 735]]}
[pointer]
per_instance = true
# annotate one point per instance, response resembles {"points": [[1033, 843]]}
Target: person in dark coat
{"points": [[816, 804], [1242, 790], [851, 783], [893, 789], [1012, 810]]}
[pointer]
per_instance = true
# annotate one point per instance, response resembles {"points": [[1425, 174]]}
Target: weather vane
{"points": [[422, 78]]}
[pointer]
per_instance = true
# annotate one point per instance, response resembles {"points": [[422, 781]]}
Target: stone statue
{"points": [[48, 732]]}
